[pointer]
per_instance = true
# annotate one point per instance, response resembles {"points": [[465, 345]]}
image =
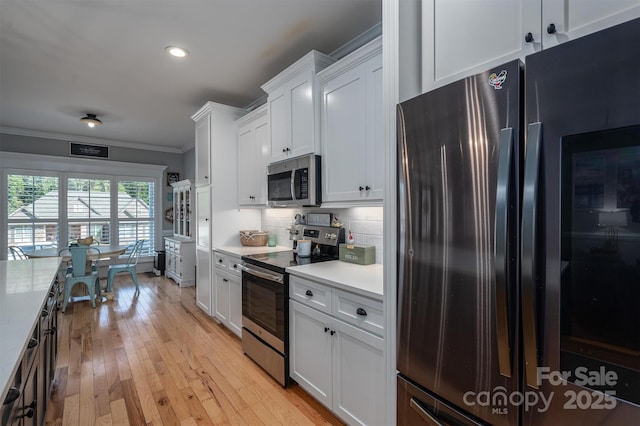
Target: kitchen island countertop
{"points": [[365, 280], [24, 288]]}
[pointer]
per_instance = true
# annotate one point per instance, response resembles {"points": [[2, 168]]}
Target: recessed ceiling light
{"points": [[91, 120], [177, 52]]}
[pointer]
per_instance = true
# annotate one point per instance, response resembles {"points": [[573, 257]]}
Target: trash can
{"points": [[158, 262]]}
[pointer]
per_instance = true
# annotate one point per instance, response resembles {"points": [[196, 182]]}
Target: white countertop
{"points": [[248, 250], [24, 288], [366, 280]]}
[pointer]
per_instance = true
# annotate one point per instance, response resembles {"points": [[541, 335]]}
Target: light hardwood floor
{"points": [[156, 358]]}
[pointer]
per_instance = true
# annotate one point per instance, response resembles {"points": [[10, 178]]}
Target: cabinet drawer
{"points": [[233, 266], [220, 261], [360, 311], [310, 293]]}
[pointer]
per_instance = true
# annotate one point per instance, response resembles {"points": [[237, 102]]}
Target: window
{"points": [[32, 211], [51, 211], [89, 209], [136, 213]]}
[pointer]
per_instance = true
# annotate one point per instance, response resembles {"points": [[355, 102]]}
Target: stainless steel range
{"points": [[265, 297]]}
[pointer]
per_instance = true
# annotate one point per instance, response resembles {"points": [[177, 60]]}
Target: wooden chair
{"points": [[82, 272], [17, 253], [129, 266]]}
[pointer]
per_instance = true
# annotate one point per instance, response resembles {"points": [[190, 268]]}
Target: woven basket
{"points": [[253, 238]]}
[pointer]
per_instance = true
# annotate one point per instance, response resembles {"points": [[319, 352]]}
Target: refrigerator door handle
{"points": [[528, 250], [501, 248], [426, 415]]}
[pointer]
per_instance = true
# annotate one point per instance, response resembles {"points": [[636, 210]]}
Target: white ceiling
{"points": [[62, 59]]}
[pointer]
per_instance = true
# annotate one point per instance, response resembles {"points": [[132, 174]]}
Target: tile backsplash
{"points": [[365, 224]]}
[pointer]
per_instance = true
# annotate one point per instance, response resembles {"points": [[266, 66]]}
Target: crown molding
{"points": [[218, 108], [259, 112], [358, 42], [352, 60], [313, 60], [86, 139]]}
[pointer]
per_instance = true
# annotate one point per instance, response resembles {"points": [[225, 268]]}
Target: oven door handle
{"points": [[267, 276]]}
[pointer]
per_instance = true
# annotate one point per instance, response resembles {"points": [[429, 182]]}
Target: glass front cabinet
{"points": [[182, 208]]}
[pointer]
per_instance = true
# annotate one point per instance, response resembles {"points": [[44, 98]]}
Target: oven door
{"points": [[264, 312]]}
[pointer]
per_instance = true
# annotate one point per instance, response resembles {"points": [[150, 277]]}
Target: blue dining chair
{"points": [[129, 266], [81, 271]]}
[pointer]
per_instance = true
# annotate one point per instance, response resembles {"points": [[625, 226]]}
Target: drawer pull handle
{"points": [[309, 293], [12, 395], [361, 311]]}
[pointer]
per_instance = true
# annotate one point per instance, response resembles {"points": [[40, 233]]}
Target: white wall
{"points": [[364, 222]]}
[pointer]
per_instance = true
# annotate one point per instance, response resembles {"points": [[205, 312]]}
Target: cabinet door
{"points": [[344, 136], [246, 165], [262, 153], [235, 305], [203, 151], [461, 37], [358, 375], [375, 130], [279, 123], [203, 215], [575, 18], [310, 348], [221, 298], [303, 131], [203, 280]]}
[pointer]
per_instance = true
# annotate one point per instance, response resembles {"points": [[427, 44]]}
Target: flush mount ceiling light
{"points": [[91, 120], [177, 52]]}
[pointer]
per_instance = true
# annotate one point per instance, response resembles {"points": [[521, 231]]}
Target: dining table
{"points": [[105, 251]]}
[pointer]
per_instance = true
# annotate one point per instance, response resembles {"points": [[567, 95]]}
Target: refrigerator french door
{"points": [[460, 162], [519, 264], [581, 250]]}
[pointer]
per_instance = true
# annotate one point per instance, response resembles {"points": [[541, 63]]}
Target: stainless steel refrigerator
{"points": [[519, 227]]}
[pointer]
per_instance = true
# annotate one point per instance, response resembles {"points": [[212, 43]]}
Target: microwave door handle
{"points": [[501, 248], [529, 260], [293, 184]]}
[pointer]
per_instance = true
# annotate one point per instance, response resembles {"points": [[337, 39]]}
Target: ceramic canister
{"points": [[304, 248]]}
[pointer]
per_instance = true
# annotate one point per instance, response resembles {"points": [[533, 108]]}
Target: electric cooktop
{"points": [[278, 261]]}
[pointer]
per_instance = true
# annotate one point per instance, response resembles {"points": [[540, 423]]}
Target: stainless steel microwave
{"points": [[294, 182]]}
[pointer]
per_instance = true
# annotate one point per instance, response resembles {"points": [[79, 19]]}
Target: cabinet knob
{"points": [[551, 28], [219, 260], [360, 188], [284, 150], [288, 149], [367, 187], [528, 37], [361, 312], [32, 343], [225, 280], [235, 266], [51, 331], [206, 177], [206, 219], [326, 329], [309, 293], [333, 332]]}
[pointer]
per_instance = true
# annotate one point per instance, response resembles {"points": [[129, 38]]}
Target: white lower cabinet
{"points": [[203, 283], [337, 362], [227, 292]]}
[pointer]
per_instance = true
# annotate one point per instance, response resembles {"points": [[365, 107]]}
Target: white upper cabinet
{"points": [[182, 208], [353, 127], [569, 19], [253, 156], [461, 38], [293, 107], [203, 153]]}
